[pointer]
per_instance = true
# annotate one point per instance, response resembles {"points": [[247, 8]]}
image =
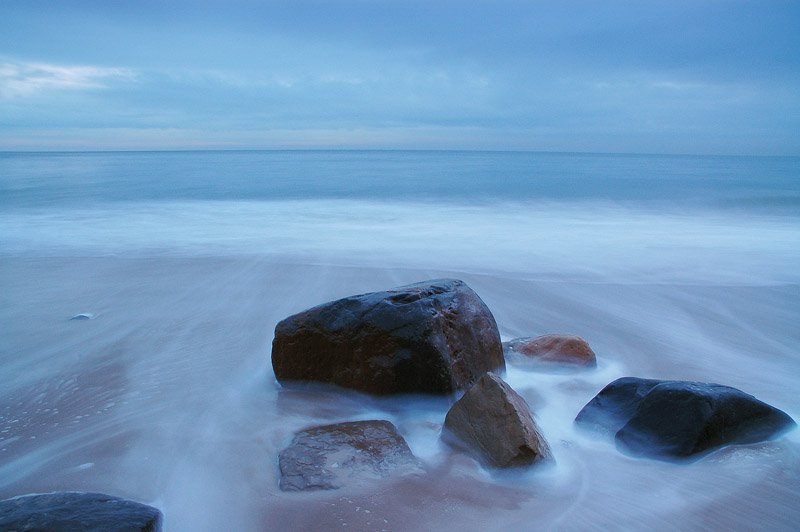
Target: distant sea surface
{"points": [[78, 179], [633, 217], [682, 267]]}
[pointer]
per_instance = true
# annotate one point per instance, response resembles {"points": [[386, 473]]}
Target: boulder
{"points": [[77, 512], [495, 424], [679, 419], [563, 349], [433, 337], [327, 457]]}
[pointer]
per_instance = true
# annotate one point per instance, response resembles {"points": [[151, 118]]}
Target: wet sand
{"points": [[167, 396]]}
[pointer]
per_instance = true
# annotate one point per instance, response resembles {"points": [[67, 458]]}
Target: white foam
{"points": [[579, 239]]}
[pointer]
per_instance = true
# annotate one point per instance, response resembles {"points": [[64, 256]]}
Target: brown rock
{"points": [[494, 423], [553, 349], [327, 457], [432, 337]]}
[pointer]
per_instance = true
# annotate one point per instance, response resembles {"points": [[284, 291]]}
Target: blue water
{"points": [[607, 217], [51, 179]]}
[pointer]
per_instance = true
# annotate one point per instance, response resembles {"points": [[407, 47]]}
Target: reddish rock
{"points": [[565, 349], [432, 337], [494, 423], [330, 456]]}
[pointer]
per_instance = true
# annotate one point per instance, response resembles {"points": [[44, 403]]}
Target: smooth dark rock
{"points": [[562, 349], [433, 337], [679, 419], [330, 456], [73, 511], [494, 423], [615, 404]]}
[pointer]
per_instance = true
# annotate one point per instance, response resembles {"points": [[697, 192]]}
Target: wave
{"points": [[600, 241]]}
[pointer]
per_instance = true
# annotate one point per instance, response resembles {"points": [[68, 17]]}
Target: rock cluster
{"points": [[438, 337], [434, 337], [77, 511], [678, 419]]}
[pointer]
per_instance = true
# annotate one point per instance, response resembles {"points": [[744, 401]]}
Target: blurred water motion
{"points": [[681, 267]]}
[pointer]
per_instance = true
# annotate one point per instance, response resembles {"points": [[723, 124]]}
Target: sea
{"points": [[181, 263]]}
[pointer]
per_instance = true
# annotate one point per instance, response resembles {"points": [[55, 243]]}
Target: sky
{"points": [[701, 77]]}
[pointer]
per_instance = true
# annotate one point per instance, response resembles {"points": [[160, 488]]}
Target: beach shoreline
{"points": [[167, 395]]}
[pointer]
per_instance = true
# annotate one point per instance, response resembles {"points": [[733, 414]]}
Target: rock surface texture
{"points": [[494, 423], [71, 511], [432, 337], [564, 349], [328, 457], [678, 419]]}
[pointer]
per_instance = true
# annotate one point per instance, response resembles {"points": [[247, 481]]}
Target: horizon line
{"points": [[351, 149]]}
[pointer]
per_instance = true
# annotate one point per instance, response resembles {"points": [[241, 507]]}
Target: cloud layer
{"points": [[19, 80], [699, 77]]}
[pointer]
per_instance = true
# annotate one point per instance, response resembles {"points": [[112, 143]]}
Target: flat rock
{"points": [[432, 337], [494, 423], [680, 419], [73, 511], [558, 349], [331, 456]]}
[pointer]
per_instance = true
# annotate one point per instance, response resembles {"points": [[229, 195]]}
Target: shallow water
{"points": [[167, 396]]}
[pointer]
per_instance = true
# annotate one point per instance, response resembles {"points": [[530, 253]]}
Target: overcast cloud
{"points": [[656, 77]]}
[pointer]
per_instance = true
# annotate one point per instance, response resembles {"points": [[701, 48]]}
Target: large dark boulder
{"points": [[327, 457], [72, 511], [495, 424], [679, 419], [433, 337], [556, 349]]}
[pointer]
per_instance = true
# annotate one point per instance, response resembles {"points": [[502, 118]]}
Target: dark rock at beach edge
{"points": [[77, 511], [433, 337], [493, 423], [333, 456], [680, 419]]}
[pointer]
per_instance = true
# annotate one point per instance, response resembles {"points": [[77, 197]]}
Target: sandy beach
{"points": [[167, 396]]}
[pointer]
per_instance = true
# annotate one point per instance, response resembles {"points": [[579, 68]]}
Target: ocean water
{"points": [[670, 266], [628, 217]]}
